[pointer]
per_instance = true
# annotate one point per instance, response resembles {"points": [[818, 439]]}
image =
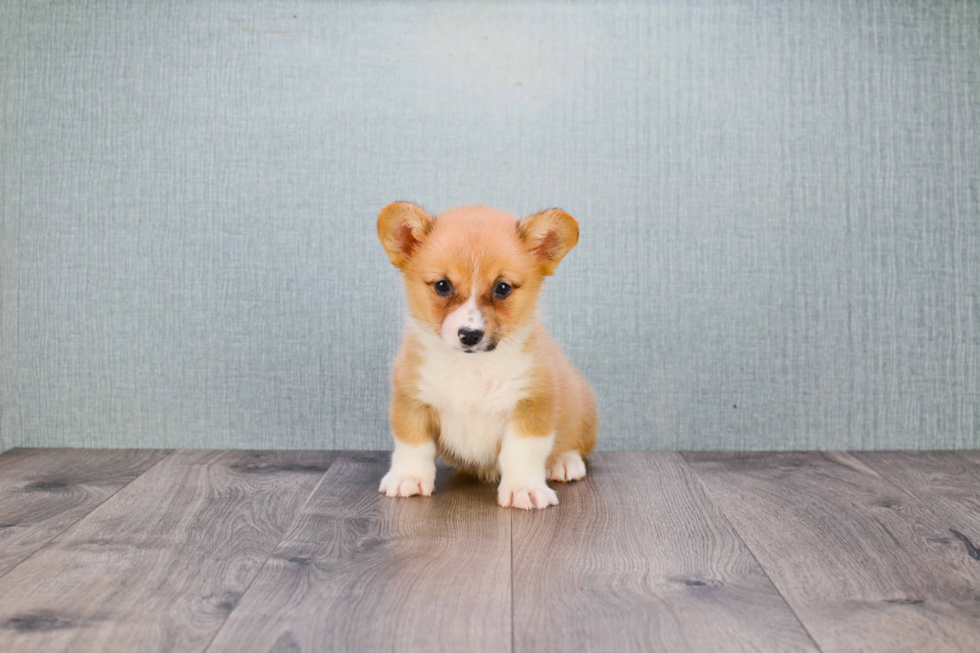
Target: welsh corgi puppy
{"points": [[478, 380]]}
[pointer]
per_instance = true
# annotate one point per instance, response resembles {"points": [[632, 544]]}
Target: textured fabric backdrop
{"points": [[779, 204]]}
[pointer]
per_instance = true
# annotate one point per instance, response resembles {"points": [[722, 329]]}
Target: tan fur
{"points": [[562, 401], [475, 248]]}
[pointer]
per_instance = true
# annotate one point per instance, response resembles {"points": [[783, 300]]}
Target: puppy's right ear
{"points": [[402, 226]]}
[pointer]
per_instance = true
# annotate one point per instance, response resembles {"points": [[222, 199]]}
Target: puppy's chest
{"points": [[474, 398]]}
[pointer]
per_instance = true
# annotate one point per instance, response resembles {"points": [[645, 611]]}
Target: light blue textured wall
{"points": [[779, 201]]}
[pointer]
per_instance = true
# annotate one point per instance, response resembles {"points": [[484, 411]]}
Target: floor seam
{"points": [[512, 637], [94, 508], [258, 572], [762, 568]]}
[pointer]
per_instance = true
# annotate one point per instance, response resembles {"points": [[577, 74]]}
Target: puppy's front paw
{"points": [[526, 497], [404, 485], [570, 467]]}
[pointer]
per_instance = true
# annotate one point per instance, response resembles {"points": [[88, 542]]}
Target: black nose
{"points": [[469, 337]]}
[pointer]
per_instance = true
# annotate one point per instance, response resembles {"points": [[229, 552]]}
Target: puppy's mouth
{"points": [[481, 348]]}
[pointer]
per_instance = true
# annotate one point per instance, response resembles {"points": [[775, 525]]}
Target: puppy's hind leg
{"points": [[568, 467]]}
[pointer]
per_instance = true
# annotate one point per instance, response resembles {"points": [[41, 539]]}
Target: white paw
{"points": [[570, 467], [526, 498], [402, 485]]}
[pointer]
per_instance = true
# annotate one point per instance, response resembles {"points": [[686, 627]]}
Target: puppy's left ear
{"points": [[549, 235], [402, 226]]}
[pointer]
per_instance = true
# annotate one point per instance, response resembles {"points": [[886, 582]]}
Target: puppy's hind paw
{"points": [[398, 485], [569, 467]]}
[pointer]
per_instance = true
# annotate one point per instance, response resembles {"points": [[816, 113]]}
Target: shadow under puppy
{"points": [[478, 380]]}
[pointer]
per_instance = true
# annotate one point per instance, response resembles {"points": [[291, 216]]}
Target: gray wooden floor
{"points": [[144, 550]]}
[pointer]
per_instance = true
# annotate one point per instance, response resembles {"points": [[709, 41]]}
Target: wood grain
{"points": [[362, 572], [947, 481], [638, 558], [160, 565], [864, 565], [44, 491]]}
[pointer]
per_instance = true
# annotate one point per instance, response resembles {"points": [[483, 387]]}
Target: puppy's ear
{"points": [[402, 226], [549, 235]]}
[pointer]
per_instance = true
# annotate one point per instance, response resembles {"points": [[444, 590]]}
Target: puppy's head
{"points": [[473, 274]]}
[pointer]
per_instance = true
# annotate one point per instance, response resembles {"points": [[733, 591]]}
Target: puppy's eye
{"points": [[502, 289], [443, 287]]}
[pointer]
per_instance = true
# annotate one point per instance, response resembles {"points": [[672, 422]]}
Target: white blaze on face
{"points": [[468, 315]]}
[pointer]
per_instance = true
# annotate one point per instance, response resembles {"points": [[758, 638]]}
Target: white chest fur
{"points": [[474, 394]]}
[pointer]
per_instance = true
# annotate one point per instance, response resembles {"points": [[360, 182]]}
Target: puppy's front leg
{"points": [[524, 451], [413, 463]]}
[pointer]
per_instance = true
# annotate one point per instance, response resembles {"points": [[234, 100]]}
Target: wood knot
{"points": [[905, 601], [37, 621], [698, 582], [45, 486], [887, 503]]}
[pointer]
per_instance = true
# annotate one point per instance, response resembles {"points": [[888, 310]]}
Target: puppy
{"points": [[478, 381]]}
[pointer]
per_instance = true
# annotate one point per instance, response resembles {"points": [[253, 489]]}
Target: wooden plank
{"points": [[638, 558], [972, 455], [946, 481], [864, 565], [44, 491], [361, 572], [160, 565]]}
